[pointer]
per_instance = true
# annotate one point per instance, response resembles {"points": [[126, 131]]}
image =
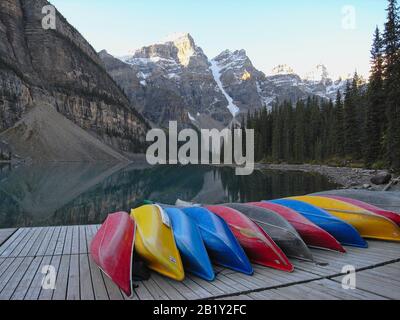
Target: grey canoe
{"points": [[385, 200], [280, 230]]}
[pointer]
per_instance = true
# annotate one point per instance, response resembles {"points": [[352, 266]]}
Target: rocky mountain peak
{"points": [[177, 49], [235, 59]]}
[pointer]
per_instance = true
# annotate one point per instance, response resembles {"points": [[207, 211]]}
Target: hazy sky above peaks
{"points": [[299, 33]]}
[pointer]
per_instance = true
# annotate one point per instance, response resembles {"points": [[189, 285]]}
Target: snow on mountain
{"points": [[175, 80], [216, 71]]}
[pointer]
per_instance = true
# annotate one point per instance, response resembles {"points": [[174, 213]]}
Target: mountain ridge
{"points": [[233, 85]]}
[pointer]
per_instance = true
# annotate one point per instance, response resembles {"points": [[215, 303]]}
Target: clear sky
{"points": [[299, 33]]}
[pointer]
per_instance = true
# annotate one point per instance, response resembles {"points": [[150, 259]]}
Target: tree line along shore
{"points": [[361, 128]]}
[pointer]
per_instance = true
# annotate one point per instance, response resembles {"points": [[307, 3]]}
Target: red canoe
{"points": [[312, 235], [258, 245], [112, 249], [394, 216]]}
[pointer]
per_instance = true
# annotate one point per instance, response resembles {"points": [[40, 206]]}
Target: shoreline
{"points": [[346, 177]]}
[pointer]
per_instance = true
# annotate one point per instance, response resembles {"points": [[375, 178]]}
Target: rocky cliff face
{"points": [[59, 68], [175, 80]]}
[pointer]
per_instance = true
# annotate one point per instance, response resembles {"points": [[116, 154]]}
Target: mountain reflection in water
{"points": [[84, 193]]}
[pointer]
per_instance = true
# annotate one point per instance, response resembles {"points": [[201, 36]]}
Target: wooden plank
{"points": [[90, 232], [14, 281], [48, 293], [25, 242], [82, 240], [36, 285], [186, 292], [5, 234], [1, 262], [37, 243], [53, 242], [208, 286], [169, 290], [60, 241], [62, 279], [266, 295], [238, 298], [68, 241], [99, 288], [27, 248], [154, 289], [27, 279], [75, 240], [193, 286], [376, 286], [10, 241], [85, 278], [73, 291], [232, 283], [142, 292], [336, 289], [10, 248], [299, 292], [10, 268], [46, 242]]}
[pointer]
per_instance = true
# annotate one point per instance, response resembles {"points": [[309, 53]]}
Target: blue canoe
{"points": [[190, 244], [342, 231], [223, 247]]}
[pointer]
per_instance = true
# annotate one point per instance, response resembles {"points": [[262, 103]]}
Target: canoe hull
{"points": [[340, 230], [312, 235], [155, 242], [279, 229], [112, 249], [259, 247], [368, 224], [386, 200], [222, 246], [190, 244], [394, 216]]}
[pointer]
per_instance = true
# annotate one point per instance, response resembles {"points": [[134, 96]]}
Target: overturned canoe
{"points": [[112, 249], [259, 247], [279, 229], [368, 224], [312, 235], [387, 200], [394, 216], [222, 246], [190, 244], [155, 241], [340, 230]]}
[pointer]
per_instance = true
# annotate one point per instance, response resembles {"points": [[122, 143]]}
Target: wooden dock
{"points": [[24, 252]]}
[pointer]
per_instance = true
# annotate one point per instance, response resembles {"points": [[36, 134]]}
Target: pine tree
{"points": [[392, 84], [300, 131], [350, 120], [339, 126], [375, 118]]}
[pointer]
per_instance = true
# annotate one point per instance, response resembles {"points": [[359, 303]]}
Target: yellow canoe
{"points": [[368, 224], [155, 242]]}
